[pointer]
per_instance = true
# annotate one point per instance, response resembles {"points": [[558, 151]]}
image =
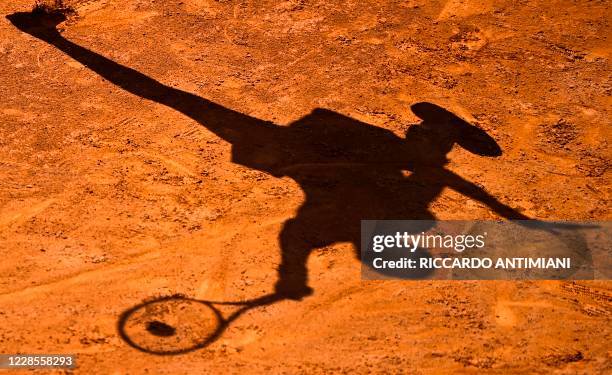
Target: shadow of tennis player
{"points": [[349, 170]]}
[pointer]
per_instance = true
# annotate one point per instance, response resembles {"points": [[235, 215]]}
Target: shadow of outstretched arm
{"points": [[225, 123], [475, 192]]}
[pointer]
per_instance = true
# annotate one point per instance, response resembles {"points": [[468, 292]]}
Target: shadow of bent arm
{"points": [[475, 192]]}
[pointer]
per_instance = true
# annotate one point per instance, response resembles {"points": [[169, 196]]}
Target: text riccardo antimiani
{"points": [[459, 243]]}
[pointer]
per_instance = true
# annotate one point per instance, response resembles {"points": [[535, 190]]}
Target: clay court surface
{"points": [[108, 199]]}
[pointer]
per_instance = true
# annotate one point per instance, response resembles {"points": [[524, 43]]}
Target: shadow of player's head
{"points": [[441, 129]]}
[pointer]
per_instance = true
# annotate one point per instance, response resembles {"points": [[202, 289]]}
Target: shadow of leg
{"points": [[292, 274]]}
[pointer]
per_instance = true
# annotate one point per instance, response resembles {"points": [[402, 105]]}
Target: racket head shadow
{"points": [[171, 325]]}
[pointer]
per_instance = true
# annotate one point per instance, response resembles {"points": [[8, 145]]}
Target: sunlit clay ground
{"points": [[156, 155]]}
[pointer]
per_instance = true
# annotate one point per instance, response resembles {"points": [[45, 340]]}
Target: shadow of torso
{"points": [[349, 171]]}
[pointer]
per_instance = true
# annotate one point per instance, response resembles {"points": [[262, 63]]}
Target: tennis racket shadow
{"points": [[177, 324]]}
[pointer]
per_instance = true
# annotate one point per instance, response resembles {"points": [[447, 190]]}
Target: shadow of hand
{"points": [[39, 23]]}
